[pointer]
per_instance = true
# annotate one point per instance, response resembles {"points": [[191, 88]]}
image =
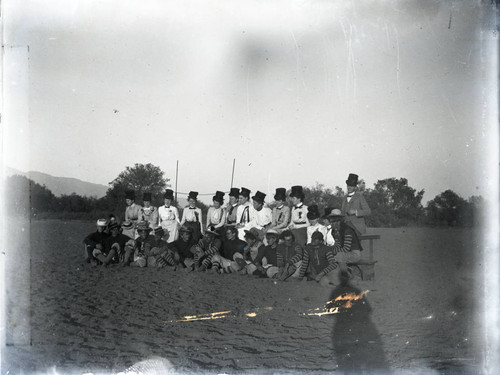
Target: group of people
{"points": [[249, 238]]}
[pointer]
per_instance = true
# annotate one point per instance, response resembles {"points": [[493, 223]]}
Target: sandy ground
{"points": [[421, 313]]}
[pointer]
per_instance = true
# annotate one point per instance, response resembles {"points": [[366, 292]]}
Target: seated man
{"points": [[289, 254], [253, 238], [115, 246], [206, 248], [232, 248], [127, 228], [162, 254], [95, 241], [348, 247], [318, 262], [183, 248], [143, 245], [262, 215], [267, 260]]}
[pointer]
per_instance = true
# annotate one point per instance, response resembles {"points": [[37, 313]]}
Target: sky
{"points": [[297, 92]]}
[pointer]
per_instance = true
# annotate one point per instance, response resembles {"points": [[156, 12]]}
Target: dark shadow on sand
{"points": [[357, 344]]}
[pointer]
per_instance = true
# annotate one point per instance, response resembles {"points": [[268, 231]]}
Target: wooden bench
{"points": [[366, 268]]}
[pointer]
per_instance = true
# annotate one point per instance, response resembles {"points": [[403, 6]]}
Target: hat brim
{"points": [[211, 232]]}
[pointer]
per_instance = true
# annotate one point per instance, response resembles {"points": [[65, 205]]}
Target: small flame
{"points": [[251, 315], [348, 297]]}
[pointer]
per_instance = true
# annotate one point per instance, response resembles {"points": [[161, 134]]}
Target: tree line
{"points": [[393, 202]]}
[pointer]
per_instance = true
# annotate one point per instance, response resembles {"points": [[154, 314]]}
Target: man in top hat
{"points": [[216, 215], [95, 241], [262, 215], [354, 205], [147, 212], [231, 209], [169, 216], [133, 210], [314, 224], [299, 221], [192, 216], [281, 212], [244, 213]]}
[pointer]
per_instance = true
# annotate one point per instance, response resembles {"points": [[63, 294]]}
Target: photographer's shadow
{"points": [[357, 344]]}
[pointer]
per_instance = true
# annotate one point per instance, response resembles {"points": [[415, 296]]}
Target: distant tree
{"points": [[323, 196], [140, 178], [451, 209], [25, 196], [394, 203]]}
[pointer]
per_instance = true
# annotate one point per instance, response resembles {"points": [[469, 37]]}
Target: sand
{"points": [[421, 313]]}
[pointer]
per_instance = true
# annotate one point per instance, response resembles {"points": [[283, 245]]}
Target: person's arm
{"points": [[332, 264], [348, 237], [154, 217], [365, 209], [305, 264], [222, 218], [261, 252], [299, 253], [209, 217], [279, 259], [183, 220], [90, 240]]}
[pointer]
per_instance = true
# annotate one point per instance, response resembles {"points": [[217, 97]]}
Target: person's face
{"points": [[192, 202], [168, 202], [147, 204], [295, 201], [185, 236], [143, 233], [325, 221], [242, 199], [316, 241], [216, 204], [257, 205], [313, 221], [100, 228], [233, 200], [288, 240], [271, 239], [209, 237], [250, 240], [351, 189], [230, 235], [279, 202], [335, 223], [115, 232], [158, 237], [129, 201]]}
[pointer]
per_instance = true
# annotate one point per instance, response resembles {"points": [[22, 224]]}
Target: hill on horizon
{"points": [[61, 185]]}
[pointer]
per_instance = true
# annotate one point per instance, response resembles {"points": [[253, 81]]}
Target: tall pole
{"points": [[232, 175], [176, 175]]}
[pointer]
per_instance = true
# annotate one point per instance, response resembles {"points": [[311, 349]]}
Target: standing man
{"points": [[354, 205], [281, 212], [244, 213], [262, 215], [299, 222]]}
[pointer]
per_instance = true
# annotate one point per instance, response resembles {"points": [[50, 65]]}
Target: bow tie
{"points": [[192, 208], [350, 195]]}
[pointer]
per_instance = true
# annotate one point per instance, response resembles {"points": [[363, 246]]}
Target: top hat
{"points": [[352, 180], [235, 192], [297, 192], [259, 197], [245, 192], [211, 230], [312, 212], [146, 197], [113, 225], [254, 233], [193, 195], [169, 194], [130, 194], [219, 196], [280, 194], [102, 222]]}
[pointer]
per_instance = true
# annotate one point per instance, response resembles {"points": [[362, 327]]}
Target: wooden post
{"points": [[176, 175]]}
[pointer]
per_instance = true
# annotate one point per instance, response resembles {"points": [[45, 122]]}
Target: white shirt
{"points": [[261, 218]]}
